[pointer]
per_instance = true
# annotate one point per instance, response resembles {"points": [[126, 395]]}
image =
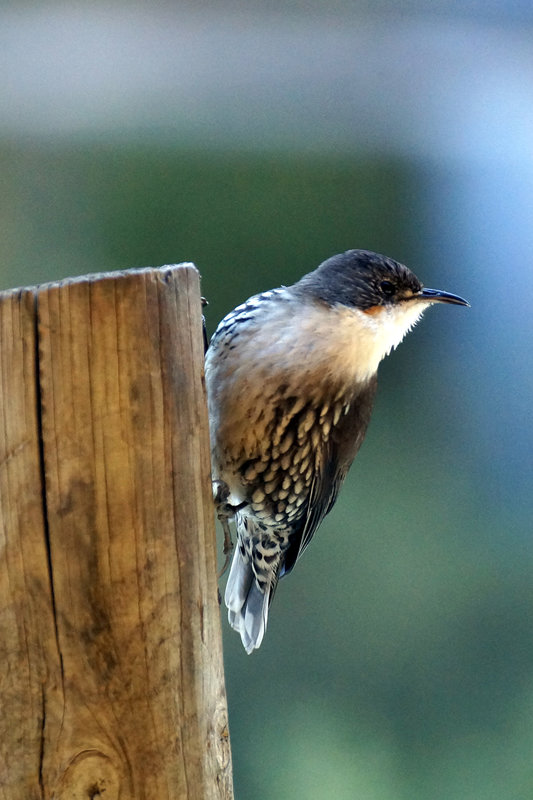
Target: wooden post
{"points": [[111, 677]]}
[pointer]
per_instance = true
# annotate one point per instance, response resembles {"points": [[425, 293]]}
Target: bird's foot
{"points": [[225, 512]]}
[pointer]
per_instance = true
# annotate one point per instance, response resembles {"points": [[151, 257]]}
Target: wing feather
{"points": [[331, 467]]}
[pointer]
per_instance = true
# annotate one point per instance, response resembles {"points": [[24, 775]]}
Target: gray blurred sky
{"points": [[418, 81]]}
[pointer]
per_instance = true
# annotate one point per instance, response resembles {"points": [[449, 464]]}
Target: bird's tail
{"points": [[247, 604]]}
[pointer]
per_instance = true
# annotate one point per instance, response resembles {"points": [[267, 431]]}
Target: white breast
{"points": [[330, 342]]}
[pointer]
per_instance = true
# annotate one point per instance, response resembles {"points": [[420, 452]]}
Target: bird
{"points": [[291, 376]]}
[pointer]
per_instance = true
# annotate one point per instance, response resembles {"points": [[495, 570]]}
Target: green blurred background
{"points": [[256, 140]]}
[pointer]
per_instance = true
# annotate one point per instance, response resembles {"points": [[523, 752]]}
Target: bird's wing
{"points": [[331, 467], [325, 487]]}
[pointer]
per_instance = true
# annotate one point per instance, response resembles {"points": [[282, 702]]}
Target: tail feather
{"points": [[247, 604]]}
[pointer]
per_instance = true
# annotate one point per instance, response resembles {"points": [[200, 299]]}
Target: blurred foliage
{"points": [[397, 665], [259, 219]]}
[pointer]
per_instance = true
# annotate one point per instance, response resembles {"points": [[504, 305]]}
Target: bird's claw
{"points": [[225, 511]]}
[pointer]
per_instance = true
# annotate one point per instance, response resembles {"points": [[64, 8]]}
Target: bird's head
{"points": [[377, 298], [370, 282]]}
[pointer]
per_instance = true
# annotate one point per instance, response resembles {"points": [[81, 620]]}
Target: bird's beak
{"points": [[436, 296]]}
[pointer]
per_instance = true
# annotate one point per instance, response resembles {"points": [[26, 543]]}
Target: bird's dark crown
{"points": [[360, 279]]}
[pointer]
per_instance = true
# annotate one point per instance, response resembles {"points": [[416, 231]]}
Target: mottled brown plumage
{"points": [[291, 379]]}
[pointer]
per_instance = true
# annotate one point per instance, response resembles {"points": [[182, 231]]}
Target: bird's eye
{"points": [[387, 288]]}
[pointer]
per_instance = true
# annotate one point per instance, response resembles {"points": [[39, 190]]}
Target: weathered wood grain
{"points": [[110, 649]]}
